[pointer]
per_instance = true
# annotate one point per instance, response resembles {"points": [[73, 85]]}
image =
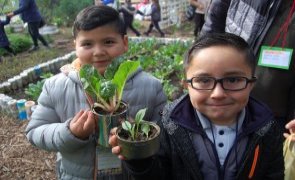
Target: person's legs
{"points": [[10, 50], [150, 29], [34, 28], [156, 24], [32, 31], [199, 22], [134, 30]]}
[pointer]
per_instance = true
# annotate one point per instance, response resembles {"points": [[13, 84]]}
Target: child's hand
{"points": [[10, 14], [291, 127], [113, 142], [83, 124]]}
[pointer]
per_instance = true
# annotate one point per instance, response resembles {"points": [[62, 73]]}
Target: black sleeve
{"points": [[23, 7], [216, 17]]}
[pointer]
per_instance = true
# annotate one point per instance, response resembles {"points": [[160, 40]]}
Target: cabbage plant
{"points": [[107, 88]]}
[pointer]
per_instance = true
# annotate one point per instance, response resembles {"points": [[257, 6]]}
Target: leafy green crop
{"points": [[34, 89], [108, 89]]}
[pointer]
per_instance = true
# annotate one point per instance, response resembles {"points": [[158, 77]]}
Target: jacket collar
{"points": [[257, 115]]}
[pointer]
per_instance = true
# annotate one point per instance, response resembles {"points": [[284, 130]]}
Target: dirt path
{"points": [[18, 158]]}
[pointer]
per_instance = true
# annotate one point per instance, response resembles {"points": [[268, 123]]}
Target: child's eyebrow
{"points": [[231, 73]]}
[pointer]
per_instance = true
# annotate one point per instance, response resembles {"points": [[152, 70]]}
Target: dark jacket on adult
{"points": [[28, 11], [156, 13], [257, 153], [259, 22], [3, 37]]}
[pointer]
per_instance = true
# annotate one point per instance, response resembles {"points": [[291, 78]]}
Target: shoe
{"points": [[48, 46], [163, 35], [34, 48]]}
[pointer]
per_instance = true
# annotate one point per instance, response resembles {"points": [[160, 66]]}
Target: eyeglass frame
{"points": [[220, 80]]}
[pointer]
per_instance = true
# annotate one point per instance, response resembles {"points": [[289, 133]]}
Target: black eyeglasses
{"points": [[227, 83]]}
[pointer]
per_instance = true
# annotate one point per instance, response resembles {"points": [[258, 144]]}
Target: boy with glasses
{"points": [[216, 131]]}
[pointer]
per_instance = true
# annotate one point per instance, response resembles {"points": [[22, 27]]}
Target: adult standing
{"points": [[199, 16], [30, 14], [268, 23], [155, 18]]}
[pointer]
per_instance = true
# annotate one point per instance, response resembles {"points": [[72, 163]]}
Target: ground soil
{"points": [[18, 158]]}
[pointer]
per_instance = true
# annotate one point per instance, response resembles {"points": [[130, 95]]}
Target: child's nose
{"points": [[218, 91], [97, 50]]}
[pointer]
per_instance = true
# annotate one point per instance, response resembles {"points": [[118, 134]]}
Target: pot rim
{"points": [[111, 114]]}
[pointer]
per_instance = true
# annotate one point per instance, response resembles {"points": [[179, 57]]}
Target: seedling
{"points": [[137, 128]]}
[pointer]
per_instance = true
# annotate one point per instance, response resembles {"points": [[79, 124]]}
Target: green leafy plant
{"points": [[108, 88], [34, 90], [138, 128]]}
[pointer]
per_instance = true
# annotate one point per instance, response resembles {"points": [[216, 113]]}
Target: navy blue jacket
{"points": [[177, 158], [28, 11], [3, 37]]}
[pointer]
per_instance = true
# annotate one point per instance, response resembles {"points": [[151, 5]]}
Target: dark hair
{"points": [[221, 39], [95, 16]]}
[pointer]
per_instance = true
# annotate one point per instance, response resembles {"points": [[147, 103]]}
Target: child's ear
{"points": [[125, 41], [184, 84], [251, 85]]}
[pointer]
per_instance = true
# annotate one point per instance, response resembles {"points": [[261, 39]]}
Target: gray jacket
{"points": [[62, 97]]}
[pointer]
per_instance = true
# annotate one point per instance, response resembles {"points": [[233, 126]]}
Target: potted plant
{"points": [[106, 91], [139, 139]]}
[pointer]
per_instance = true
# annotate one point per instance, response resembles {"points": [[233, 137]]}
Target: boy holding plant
{"points": [[62, 121], [216, 131]]}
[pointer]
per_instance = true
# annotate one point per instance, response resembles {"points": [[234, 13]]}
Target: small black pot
{"points": [[139, 149]]}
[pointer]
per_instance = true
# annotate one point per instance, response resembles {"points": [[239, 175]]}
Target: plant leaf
{"points": [[126, 125], [145, 128], [107, 89], [113, 67], [125, 69], [140, 115]]}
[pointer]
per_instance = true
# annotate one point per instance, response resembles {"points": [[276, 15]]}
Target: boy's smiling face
{"points": [[220, 106], [100, 46]]}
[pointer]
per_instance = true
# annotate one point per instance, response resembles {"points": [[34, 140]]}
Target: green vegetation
{"points": [[18, 42], [34, 90], [108, 89], [139, 128]]}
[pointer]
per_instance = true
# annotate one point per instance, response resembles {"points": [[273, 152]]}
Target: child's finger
{"points": [[89, 125], [113, 140], [116, 150], [77, 116], [83, 118], [291, 124], [286, 135], [113, 131]]}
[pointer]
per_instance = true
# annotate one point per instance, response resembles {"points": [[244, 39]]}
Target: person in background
{"points": [[155, 18], [263, 24], [199, 17], [63, 121], [4, 42], [217, 130], [30, 14], [128, 12]]}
